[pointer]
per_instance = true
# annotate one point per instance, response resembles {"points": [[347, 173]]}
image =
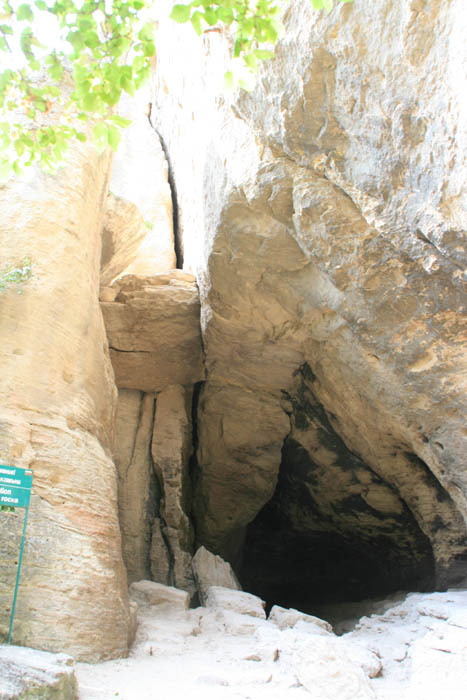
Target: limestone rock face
{"points": [[28, 673], [153, 330], [140, 176], [56, 418], [137, 488], [171, 451], [333, 200], [123, 232]]}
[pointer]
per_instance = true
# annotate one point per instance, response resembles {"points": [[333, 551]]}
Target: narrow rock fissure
{"points": [[193, 467], [173, 190], [156, 514]]}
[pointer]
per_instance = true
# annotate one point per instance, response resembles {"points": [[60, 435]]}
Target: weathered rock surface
{"points": [[29, 673], [138, 491], [171, 449], [123, 232], [195, 652], [237, 601], [333, 200], [211, 570], [56, 418], [154, 333], [325, 670], [140, 176], [285, 618], [156, 594]]}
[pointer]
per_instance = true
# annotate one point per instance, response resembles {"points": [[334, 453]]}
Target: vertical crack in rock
{"points": [[178, 243], [193, 466]]}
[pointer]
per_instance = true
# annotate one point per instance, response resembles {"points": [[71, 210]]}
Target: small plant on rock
{"points": [[15, 275]]}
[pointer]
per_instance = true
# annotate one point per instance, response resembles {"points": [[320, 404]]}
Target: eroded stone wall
{"points": [[58, 404], [332, 203]]}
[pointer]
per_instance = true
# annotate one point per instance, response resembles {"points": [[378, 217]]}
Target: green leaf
{"points": [[196, 22], [226, 15], [149, 48], [112, 96], [146, 33], [180, 13], [91, 40], [229, 80], [120, 121], [250, 60], [210, 15], [90, 102], [317, 4], [128, 85], [19, 147], [6, 29], [85, 23], [24, 12], [328, 5], [113, 136]]}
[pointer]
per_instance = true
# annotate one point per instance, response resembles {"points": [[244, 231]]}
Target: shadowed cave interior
{"points": [[334, 531], [287, 562]]}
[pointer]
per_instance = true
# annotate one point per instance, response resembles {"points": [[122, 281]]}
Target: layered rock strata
{"points": [[154, 332], [58, 400]]}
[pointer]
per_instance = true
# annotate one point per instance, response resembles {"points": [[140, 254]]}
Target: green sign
{"points": [[15, 491], [10, 496], [14, 476]]}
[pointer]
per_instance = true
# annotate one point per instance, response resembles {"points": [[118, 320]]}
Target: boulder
{"points": [[211, 570], [236, 601], [29, 673], [285, 618], [324, 669], [151, 594], [153, 330]]}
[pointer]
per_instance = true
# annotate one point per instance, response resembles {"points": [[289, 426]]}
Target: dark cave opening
{"points": [[309, 547]]}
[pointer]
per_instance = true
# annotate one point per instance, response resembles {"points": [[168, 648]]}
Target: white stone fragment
{"points": [[31, 673], [326, 671], [285, 618], [151, 593], [237, 601]]}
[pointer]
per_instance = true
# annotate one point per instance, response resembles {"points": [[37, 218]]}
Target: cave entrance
{"points": [[332, 533]]}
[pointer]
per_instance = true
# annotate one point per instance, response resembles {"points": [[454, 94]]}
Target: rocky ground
{"points": [[411, 648]]}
